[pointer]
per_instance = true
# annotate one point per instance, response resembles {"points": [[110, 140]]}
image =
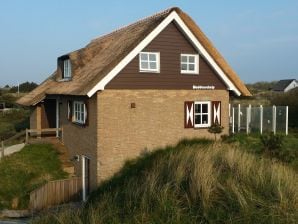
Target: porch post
{"points": [[38, 120], [57, 117]]}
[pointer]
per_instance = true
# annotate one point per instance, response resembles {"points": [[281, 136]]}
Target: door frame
{"points": [[85, 176]]}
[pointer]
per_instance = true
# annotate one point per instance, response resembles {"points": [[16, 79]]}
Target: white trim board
{"points": [[173, 16]]}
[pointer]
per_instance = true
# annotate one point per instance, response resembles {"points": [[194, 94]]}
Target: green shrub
{"points": [[215, 129], [272, 143]]}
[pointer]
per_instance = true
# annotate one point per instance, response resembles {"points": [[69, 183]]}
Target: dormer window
{"points": [[66, 69]]}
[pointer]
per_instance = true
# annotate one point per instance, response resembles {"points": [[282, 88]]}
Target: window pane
{"points": [[191, 59], [183, 66], [82, 107], [152, 57], [144, 57], [183, 58], [191, 67], [204, 108], [152, 65], [197, 108], [144, 65], [205, 119], [197, 119]]}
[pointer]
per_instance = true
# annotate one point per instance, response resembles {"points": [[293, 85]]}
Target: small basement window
{"points": [[79, 112], [149, 62], [189, 63], [66, 69], [202, 114]]}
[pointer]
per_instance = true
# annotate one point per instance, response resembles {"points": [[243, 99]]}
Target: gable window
{"points": [[66, 69], [79, 112], [202, 114], [149, 62], [189, 63]]}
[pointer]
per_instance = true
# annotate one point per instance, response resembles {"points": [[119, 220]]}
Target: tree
{"points": [[24, 87], [215, 129]]}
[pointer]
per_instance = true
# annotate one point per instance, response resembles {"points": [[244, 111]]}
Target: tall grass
{"points": [[198, 183]]}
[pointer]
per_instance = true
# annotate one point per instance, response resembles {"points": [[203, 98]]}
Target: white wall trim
{"points": [[173, 16]]}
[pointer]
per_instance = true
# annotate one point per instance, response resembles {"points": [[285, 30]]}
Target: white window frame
{"points": [[157, 69], [195, 63], [79, 112], [66, 69], [208, 124]]}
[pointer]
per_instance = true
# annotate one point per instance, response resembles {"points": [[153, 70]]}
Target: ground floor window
{"points": [[202, 114]]}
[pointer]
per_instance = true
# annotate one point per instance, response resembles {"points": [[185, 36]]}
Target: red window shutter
{"points": [[216, 112], [69, 110], [188, 114]]}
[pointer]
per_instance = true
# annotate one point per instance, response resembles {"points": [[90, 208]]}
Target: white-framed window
{"points": [[149, 62], [189, 63], [79, 112], [202, 114], [66, 69]]}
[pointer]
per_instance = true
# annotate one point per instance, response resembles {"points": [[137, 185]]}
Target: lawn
{"points": [[23, 171]]}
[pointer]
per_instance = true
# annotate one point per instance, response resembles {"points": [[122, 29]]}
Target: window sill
{"points": [[149, 71], [78, 124], [189, 73], [64, 80]]}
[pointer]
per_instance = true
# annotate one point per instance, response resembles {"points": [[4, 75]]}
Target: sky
{"points": [[258, 38]]}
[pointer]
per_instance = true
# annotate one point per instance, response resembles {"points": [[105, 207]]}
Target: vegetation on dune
{"points": [[194, 182], [288, 99], [12, 122], [23, 171]]}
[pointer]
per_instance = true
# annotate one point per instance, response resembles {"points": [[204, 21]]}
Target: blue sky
{"points": [[259, 38]]}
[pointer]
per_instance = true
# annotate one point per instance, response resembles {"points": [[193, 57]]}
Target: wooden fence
{"points": [[55, 193]]}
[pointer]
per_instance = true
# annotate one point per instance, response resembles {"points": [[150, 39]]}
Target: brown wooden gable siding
{"points": [[170, 43]]}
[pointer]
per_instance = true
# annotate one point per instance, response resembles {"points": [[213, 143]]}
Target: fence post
{"points": [[261, 119], [239, 118], [233, 120], [287, 121], [247, 119], [274, 119]]}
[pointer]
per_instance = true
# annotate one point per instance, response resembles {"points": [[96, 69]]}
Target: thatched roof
{"points": [[93, 62]]}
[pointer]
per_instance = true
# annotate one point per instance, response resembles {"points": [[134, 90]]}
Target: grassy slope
{"points": [[23, 171], [288, 153], [194, 182]]}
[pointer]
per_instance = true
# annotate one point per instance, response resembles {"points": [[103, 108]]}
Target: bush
{"points": [[215, 129], [272, 143], [22, 125]]}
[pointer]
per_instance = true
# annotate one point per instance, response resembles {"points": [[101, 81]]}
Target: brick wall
{"points": [[81, 140], [157, 121]]}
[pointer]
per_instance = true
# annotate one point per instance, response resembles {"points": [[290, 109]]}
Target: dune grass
{"points": [[23, 171], [194, 182]]}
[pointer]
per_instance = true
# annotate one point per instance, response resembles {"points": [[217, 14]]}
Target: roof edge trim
{"points": [[173, 16]]}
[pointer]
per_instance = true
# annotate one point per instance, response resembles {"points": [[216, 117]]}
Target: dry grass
{"points": [[193, 184]]}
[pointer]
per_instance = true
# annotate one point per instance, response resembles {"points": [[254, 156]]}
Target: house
{"points": [[143, 86], [285, 85]]}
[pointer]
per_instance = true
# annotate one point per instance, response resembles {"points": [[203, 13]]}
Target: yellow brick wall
{"points": [[158, 120]]}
